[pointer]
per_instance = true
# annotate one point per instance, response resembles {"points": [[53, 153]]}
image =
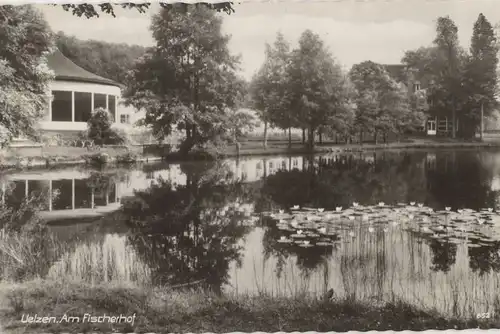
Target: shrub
{"points": [[97, 159], [99, 129], [25, 239], [127, 140], [128, 157]]}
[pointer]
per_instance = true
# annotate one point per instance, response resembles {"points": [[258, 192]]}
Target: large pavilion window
{"points": [[100, 101], [112, 106], [62, 104], [83, 106]]}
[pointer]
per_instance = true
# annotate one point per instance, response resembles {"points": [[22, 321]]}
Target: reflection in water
{"points": [[190, 224], [190, 233], [106, 259], [83, 191]]}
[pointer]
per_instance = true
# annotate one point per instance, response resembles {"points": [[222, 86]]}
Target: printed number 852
{"points": [[484, 315]]}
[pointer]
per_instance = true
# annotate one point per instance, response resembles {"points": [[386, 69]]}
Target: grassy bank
{"points": [[165, 310], [57, 156], [252, 148]]}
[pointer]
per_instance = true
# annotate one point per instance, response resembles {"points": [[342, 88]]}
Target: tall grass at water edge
{"points": [[382, 270], [69, 287], [370, 284]]}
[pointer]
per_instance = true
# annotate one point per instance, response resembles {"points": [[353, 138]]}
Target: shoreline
{"points": [[181, 311], [39, 162]]}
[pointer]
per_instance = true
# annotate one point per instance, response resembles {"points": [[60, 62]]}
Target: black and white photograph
{"points": [[284, 166]]}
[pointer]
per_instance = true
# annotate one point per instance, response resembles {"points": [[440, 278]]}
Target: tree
{"points": [[25, 41], [258, 94], [90, 11], [270, 89], [382, 104], [440, 69], [317, 85], [99, 129], [239, 122], [480, 77], [109, 60], [278, 81], [449, 78], [424, 65], [188, 79], [343, 120]]}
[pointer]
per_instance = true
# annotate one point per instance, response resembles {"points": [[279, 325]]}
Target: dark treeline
{"points": [[109, 60]]}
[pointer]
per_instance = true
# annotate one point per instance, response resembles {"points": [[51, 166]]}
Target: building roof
{"points": [[65, 69]]}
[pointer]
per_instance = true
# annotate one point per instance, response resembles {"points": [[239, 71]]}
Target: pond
{"points": [[387, 227]]}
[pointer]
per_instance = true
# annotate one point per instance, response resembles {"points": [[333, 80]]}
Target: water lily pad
{"points": [[298, 236], [324, 244]]}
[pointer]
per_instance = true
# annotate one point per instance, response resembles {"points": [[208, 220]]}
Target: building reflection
{"points": [[69, 192], [72, 193]]}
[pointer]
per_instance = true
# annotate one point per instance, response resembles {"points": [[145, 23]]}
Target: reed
{"points": [[161, 309]]}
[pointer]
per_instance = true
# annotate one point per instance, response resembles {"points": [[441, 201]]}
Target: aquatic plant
{"points": [[316, 227]]}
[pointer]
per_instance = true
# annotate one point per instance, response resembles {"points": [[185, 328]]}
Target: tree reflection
{"points": [[444, 255], [460, 179], [485, 259], [308, 258], [456, 179], [190, 233], [341, 180]]}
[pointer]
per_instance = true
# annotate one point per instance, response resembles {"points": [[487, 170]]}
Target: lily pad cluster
{"points": [[309, 227]]}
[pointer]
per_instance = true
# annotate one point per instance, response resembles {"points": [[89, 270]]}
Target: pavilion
{"points": [[75, 93]]}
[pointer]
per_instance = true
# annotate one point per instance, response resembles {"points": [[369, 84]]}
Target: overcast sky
{"points": [[354, 30]]}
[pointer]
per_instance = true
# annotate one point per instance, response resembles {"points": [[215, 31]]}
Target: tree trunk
{"points": [[336, 138], [385, 137], [265, 135], [360, 137], [320, 135], [303, 136], [481, 133], [290, 138], [454, 120], [264, 161], [188, 143], [375, 137], [310, 136]]}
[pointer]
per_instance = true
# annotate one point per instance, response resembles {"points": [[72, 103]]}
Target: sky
{"points": [[353, 30]]}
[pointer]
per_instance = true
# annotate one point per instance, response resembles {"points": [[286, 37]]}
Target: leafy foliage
{"points": [[269, 90], [458, 83], [480, 76], [89, 10], [383, 105], [239, 122], [319, 94], [302, 88], [25, 40], [99, 129], [188, 79], [109, 60]]}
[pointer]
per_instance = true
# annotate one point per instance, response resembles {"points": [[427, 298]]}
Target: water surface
{"points": [[200, 224]]}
